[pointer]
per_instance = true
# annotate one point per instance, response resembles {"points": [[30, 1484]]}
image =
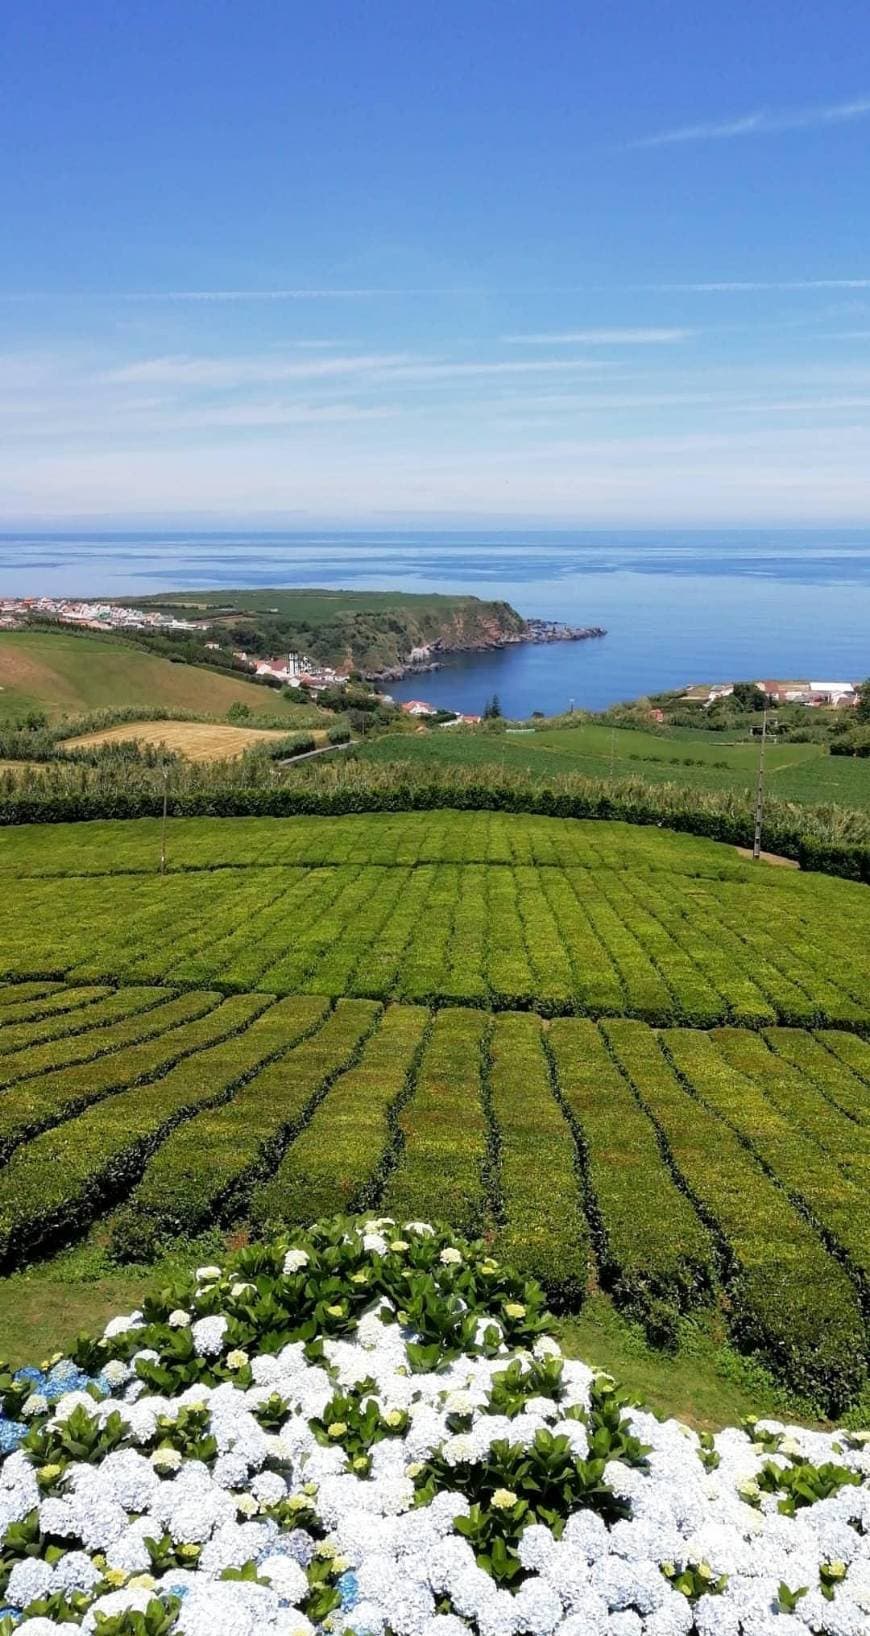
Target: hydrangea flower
{"points": [[221, 1475]]}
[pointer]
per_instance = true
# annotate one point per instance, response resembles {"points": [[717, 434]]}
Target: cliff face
{"points": [[388, 639]]}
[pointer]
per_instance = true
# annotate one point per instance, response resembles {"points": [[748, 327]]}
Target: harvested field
{"points": [[196, 740]]}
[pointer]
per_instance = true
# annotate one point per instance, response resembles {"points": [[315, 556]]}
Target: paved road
{"points": [[322, 750]]}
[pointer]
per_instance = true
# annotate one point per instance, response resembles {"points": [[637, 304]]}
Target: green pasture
{"points": [[795, 772]]}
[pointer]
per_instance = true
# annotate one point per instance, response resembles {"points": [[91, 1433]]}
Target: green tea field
{"points": [[636, 1062], [701, 761]]}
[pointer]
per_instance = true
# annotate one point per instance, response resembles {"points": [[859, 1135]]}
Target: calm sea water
{"points": [[678, 607]]}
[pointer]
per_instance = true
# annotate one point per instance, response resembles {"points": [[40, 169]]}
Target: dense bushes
{"points": [[792, 1302], [835, 840]]}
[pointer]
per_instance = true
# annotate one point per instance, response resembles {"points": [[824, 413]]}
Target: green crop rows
{"points": [[630, 1059], [470, 909]]}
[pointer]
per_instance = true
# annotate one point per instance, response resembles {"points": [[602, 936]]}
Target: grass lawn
{"points": [[704, 1382], [65, 675]]}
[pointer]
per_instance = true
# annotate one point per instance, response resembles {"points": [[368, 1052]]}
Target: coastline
{"points": [[535, 632]]}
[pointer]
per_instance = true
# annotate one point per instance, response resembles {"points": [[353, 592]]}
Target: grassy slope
{"points": [[705, 1383], [67, 674], [795, 772], [311, 605]]}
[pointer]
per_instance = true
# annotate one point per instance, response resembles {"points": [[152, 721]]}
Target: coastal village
{"points": [[816, 695]]}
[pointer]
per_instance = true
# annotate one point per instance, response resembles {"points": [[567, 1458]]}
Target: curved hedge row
{"points": [[833, 840]]}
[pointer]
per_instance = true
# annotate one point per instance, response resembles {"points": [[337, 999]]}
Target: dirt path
{"points": [[770, 857]]}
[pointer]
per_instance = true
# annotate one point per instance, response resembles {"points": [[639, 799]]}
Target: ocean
{"points": [[679, 607]]}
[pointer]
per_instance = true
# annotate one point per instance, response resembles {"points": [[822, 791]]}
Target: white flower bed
{"points": [[372, 1431]]}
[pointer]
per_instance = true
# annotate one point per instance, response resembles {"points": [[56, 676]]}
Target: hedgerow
{"points": [[791, 1301], [509, 977], [834, 840], [851, 1050], [722, 976], [77, 1035], [27, 1002], [803, 1102], [19, 1026], [832, 1202], [58, 1182], [440, 1158], [244, 1139], [191, 1022], [839, 1063], [543, 1223], [200, 1170], [646, 993], [337, 1156], [654, 1254], [595, 978]]}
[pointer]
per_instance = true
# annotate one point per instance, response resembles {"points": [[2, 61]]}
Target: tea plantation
{"points": [[636, 1061]]}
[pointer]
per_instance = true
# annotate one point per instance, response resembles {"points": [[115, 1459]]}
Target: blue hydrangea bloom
{"points": [[12, 1434], [348, 1589], [65, 1377], [34, 1377]]}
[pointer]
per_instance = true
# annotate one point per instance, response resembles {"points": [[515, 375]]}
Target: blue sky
{"points": [[397, 261]]}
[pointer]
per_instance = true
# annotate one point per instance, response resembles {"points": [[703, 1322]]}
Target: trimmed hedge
{"points": [[654, 1254], [544, 1230], [334, 1161], [59, 1182], [193, 1021], [206, 1166], [806, 833], [35, 1042], [791, 1301], [836, 1061], [441, 1155], [21, 1023], [801, 1101], [329, 1164], [828, 1198]]}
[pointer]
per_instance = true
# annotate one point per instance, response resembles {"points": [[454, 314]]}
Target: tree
{"points": [[492, 709], [862, 708], [238, 711], [747, 696]]}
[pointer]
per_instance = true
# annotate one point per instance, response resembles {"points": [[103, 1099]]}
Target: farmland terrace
{"points": [[634, 1060]]}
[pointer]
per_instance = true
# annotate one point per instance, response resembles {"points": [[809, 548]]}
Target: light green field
{"points": [[795, 772], [66, 675]]}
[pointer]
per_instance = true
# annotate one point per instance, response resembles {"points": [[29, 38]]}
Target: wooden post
{"points": [[165, 770], [759, 792]]}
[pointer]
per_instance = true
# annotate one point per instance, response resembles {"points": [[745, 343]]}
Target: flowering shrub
{"points": [[371, 1431]]}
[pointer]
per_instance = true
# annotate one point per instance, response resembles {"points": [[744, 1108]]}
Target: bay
{"points": [[679, 607]]}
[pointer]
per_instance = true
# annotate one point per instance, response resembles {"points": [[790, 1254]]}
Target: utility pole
{"points": [[570, 707], [759, 792], [612, 748], [165, 771]]}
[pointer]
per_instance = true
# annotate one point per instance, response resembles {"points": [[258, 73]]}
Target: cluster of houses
{"points": [[296, 670], [98, 616], [817, 695], [419, 707]]}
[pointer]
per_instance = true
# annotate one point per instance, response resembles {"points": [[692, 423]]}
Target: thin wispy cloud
{"points": [[218, 373], [602, 337], [749, 286], [229, 372], [764, 122]]}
